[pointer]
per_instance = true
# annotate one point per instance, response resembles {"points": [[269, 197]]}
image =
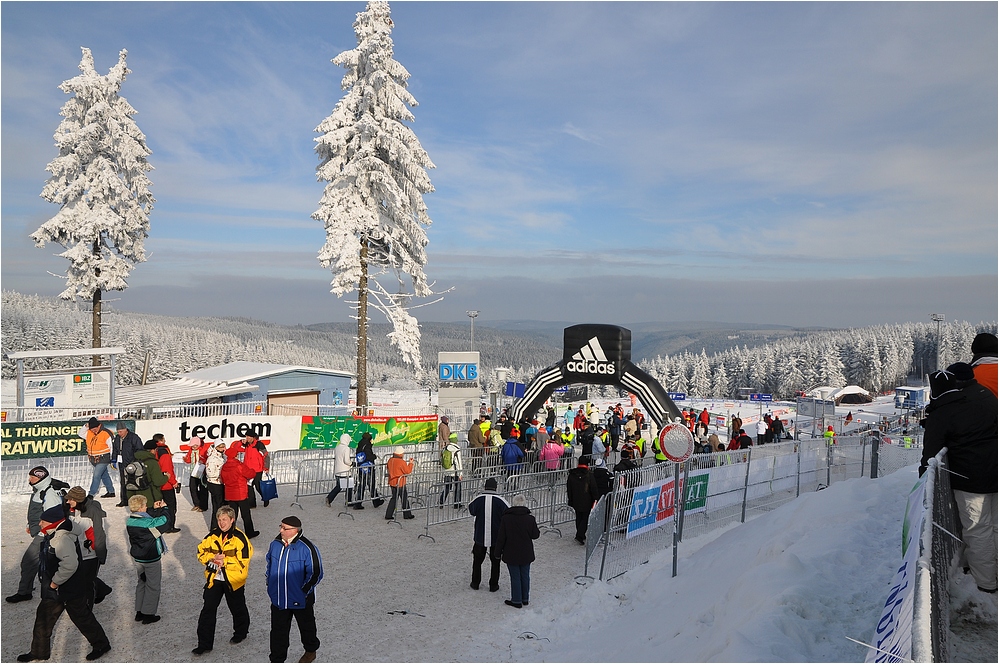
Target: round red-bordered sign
{"points": [[676, 442]]}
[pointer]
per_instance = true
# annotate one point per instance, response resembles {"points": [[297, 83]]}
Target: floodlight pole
{"points": [[471, 317], [938, 318]]}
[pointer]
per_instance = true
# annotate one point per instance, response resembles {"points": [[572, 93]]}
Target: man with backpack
{"points": [[365, 457], [144, 475], [451, 463], [46, 492], [65, 586], [123, 448]]}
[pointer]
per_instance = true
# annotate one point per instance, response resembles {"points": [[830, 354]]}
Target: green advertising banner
{"points": [[324, 432], [24, 440]]}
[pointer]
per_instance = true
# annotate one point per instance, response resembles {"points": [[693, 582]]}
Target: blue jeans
{"points": [[101, 473], [520, 583]]}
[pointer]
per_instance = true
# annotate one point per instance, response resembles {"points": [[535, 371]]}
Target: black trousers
{"points": [[217, 493], [80, 612], [199, 493], [281, 629], [448, 481], [170, 498], [235, 599], [367, 480], [242, 508], [397, 492], [582, 522], [479, 552]]}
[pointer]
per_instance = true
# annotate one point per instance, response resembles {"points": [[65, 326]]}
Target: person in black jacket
{"points": [[582, 492], [64, 588], [488, 510], [88, 507], [123, 448], [962, 417], [515, 545], [365, 457]]}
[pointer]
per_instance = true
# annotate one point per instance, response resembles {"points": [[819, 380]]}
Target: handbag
{"points": [[199, 471], [268, 487]]}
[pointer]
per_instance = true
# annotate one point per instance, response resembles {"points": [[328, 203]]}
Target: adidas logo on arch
{"points": [[591, 359]]}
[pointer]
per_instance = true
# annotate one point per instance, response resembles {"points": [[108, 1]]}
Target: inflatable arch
{"points": [[598, 355]]}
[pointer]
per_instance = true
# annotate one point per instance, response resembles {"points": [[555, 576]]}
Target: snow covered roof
{"points": [[822, 392], [850, 389], [243, 371], [178, 390]]}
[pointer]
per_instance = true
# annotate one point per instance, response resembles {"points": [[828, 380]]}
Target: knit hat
{"points": [[93, 423], [41, 472], [292, 521], [54, 514], [196, 441], [941, 383], [985, 344], [149, 445], [963, 372], [491, 483], [76, 494], [121, 426], [398, 450]]}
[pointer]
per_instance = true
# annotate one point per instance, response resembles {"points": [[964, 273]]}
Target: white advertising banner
{"points": [[278, 432]]}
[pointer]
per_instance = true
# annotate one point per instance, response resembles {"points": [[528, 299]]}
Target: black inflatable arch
{"points": [[598, 355]]}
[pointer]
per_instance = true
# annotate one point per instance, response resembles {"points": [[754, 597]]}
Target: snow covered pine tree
{"points": [[376, 172], [99, 180]]}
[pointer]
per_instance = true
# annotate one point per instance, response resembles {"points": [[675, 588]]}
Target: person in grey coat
{"points": [[46, 492]]}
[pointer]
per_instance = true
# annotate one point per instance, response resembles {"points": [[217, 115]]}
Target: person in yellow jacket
{"points": [[830, 436], [398, 468], [225, 552], [99, 441]]}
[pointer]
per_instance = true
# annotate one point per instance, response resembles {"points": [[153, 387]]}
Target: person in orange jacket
{"points": [[398, 469], [984, 350], [99, 442]]}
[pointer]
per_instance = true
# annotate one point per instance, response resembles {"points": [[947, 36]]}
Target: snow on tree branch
{"points": [[99, 181]]}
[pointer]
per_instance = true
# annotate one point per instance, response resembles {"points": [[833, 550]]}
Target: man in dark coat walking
{"points": [[962, 417], [487, 509], [123, 448], [515, 544], [582, 492]]}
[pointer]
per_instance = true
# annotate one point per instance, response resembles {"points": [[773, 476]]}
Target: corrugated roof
{"points": [[243, 371], [176, 391]]}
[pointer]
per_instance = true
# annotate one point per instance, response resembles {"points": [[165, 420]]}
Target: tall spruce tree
{"points": [[376, 172], [99, 181]]}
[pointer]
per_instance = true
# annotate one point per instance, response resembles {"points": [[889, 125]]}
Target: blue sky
{"points": [[799, 164]]}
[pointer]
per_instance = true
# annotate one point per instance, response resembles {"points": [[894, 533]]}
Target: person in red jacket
{"points": [[165, 459], [253, 457], [197, 457], [235, 478]]}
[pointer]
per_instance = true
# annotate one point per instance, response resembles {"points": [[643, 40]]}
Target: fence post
{"points": [[828, 464], [745, 486], [875, 448], [610, 498], [676, 512], [797, 481], [863, 455]]}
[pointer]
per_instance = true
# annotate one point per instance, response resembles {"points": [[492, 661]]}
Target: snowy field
{"points": [[789, 586]]}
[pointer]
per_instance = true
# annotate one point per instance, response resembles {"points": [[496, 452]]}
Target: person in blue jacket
{"points": [[294, 569]]}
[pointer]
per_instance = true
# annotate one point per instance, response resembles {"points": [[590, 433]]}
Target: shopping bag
{"points": [[268, 487]]}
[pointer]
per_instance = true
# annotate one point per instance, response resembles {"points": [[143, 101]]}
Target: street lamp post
{"points": [[938, 318], [471, 317]]}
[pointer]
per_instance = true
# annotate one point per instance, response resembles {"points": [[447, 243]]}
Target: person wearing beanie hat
{"points": [[214, 461], [46, 492], [984, 362], [962, 417], [87, 511], [65, 586], [488, 509], [581, 494], [123, 448], [294, 569], [365, 457], [343, 470], [398, 468], [99, 444]]}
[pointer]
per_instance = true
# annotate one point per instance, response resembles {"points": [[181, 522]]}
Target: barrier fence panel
{"points": [[942, 556]]}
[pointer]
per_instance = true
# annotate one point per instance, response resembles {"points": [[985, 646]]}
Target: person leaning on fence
{"points": [[451, 464], [146, 546], [197, 456], [343, 469], [99, 444], [512, 454], [64, 587], [80, 505], [962, 416], [488, 509], [293, 570], [123, 448], [225, 552], [551, 453], [581, 493], [627, 461], [830, 435], [398, 469], [365, 457], [515, 545]]}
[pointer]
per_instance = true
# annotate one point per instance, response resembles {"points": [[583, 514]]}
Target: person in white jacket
{"points": [[451, 453], [761, 431], [343, 468]]}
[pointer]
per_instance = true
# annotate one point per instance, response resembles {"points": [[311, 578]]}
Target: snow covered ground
{"points": [[788, 586]]}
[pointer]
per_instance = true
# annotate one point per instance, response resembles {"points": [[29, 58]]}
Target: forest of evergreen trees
{"points": [[877, 358]]}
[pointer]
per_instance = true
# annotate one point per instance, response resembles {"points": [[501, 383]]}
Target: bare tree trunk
{"points": [[362, 331], [96, 313]]}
